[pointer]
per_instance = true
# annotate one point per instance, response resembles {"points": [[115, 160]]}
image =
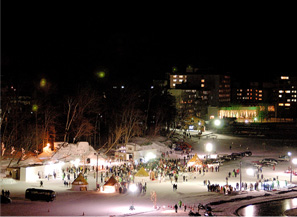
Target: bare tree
{"points": [[82, 128], [49, 119], [121, 107], [72, 106], [80, 110]]}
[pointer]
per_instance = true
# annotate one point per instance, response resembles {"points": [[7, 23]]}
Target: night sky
{"points": [[68, 44]]}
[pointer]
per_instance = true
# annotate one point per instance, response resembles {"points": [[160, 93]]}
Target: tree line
{"points": [[104, 118]]}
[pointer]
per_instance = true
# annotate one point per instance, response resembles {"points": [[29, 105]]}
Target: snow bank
{"points": [[7, 181]]}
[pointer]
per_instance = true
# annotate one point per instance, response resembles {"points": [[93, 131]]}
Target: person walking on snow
{"points": [[180, 203], [175, 207]]}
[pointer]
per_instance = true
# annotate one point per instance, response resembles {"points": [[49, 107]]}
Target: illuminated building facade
{"points": [[253, 94], [212, 87], [248, 113], [197, 89], [286, 97]]}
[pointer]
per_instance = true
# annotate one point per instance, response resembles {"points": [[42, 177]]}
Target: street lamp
{"points": [[250, 172], [240, 179], [293, 161], [217, 122], [132, 188], [97, 186], [209, 148], [290, 154]]}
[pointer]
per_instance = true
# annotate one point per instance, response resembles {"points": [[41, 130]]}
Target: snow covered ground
{"points": [[192, 192]]}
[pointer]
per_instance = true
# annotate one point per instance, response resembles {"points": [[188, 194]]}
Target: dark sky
{"points": [[70, 43]]}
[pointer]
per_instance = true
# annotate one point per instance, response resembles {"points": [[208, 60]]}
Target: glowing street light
{"points": [[293, 161], [133, 189], [149, 156], [217, 122], [209, 148], [250, 171]]}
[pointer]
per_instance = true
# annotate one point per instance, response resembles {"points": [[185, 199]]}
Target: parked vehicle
{"points": [[236, 154], [5, 199], [284, 158], [268, 161], [40, 194], [226, 157], [220, 160], [246, 153], [211, 163]]}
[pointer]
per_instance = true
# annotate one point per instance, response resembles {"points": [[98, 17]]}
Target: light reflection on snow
{"points": [[249, 211], [168, 211], [126, 209], [294, 202], [287, 204]]}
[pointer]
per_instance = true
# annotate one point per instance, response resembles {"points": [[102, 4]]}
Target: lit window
{"points": [[260, 95], [174, 76], [280, 91], [202, 85], [288, 100], [180, 76], [280, 96], [281, 104], [202, 80], [287, 104], [180, 80], [174, 85], [174, 80], [288, 91], [284, 77], [260, 98], [260, 91]]}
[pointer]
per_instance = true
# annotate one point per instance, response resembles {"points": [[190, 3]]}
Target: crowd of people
{"points": [[5, 193]]}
